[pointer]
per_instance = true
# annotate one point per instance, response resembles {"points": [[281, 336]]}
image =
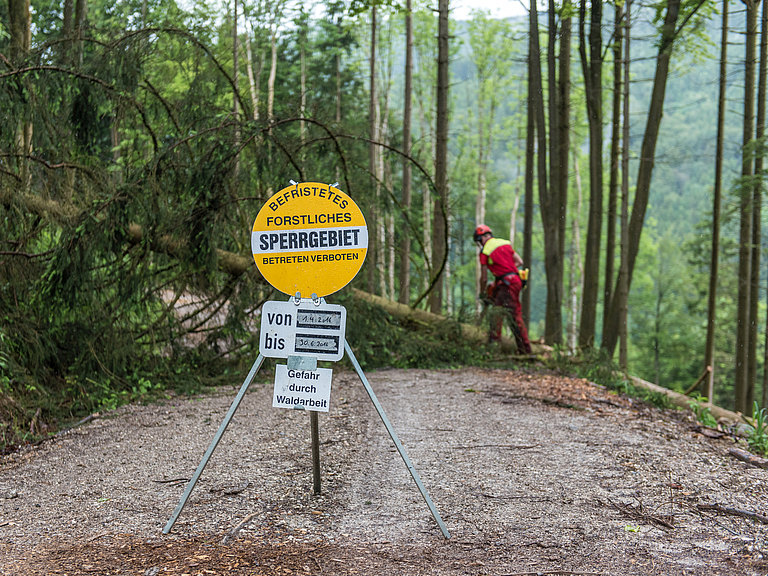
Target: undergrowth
{"points": [[757, 438], [36, 405], [595, 365]]}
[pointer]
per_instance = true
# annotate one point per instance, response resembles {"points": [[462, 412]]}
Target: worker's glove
{"points": [[523, 276]]}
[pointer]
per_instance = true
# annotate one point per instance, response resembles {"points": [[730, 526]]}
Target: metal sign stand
{"points": [[215, 442], [396, 440], [315, 444]]}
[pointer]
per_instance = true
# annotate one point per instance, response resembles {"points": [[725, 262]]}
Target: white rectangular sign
{"points": [[302, 389], [306, 329]]}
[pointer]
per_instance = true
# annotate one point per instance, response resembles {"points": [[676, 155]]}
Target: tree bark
{"points": [[708, 384], [622, 291], [272, 75], [742, 385], [404, 296], [575, 277], [646, 161], [530, 174], [20, 28], [253, 79], [548, 201], [592, 67], [613, 182], [440, 212], [372, 127], [563, 136], [235, 95], [757, 201]]}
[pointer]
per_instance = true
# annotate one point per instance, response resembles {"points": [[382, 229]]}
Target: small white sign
{"points": [[302, 389], [306, 329]]}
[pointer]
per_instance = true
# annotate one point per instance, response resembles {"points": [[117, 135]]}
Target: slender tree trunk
{"points": [[576, 271], [382, 202], [660, 291], [481, 174], [253, 79], [646, 163], [426, 210], [563, 135], [530, 170], [548, 200], [592, 67], [553, 92], [20, 28], [513, 218], [405, 233], [447, 283], [337, 71], [741, 377], [235, 88], [67, 15], [708, 385], [615, 153], [480, 202], [373, 123], [426, 206], [386, 257], [757, 201], [622, 291], [440, 212], [81, 12], [20, 25], [272, 77], [389, 217], [303, 102]]}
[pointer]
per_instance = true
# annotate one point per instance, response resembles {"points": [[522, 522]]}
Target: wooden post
{"points": [[313, 419]]}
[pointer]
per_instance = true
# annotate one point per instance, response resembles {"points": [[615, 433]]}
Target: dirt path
{"points": [[532, 474]]}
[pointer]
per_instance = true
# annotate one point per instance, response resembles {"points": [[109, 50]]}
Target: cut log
{"points": [[749, 458]]}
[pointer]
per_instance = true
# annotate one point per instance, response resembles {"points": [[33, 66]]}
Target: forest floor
{"points": [[532, 473]]}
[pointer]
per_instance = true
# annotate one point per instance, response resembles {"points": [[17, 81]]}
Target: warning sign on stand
{"points": [[302, 389], [309, 238]]}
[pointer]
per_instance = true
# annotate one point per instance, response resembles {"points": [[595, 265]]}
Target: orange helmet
{"points": [[480, 230]]}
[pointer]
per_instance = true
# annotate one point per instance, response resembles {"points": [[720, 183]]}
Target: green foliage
{"points": [[595, 366], [702, 412], [758, 437], [661, 305]]}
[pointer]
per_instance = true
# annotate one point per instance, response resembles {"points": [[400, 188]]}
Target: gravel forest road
{"points": [[532, 473]]}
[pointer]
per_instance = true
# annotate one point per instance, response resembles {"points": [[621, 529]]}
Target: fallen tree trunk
{"points": [[235, 265], [685, 401], [749, 458], [228, 262], [406, 313]]}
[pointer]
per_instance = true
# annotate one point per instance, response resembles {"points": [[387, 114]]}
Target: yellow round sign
{"points": [[309, 238]]}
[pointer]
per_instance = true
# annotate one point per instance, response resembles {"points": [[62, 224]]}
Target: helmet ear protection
{"points": [[480, 230]]}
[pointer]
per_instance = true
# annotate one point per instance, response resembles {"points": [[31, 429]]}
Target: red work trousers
{"points": [[506, 295]]}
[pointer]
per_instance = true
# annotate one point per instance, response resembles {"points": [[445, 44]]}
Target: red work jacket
{"points": [[499, 256]]}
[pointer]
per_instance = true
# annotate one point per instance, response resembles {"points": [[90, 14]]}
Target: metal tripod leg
{"points": [[214, 443], [396, 440]]}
